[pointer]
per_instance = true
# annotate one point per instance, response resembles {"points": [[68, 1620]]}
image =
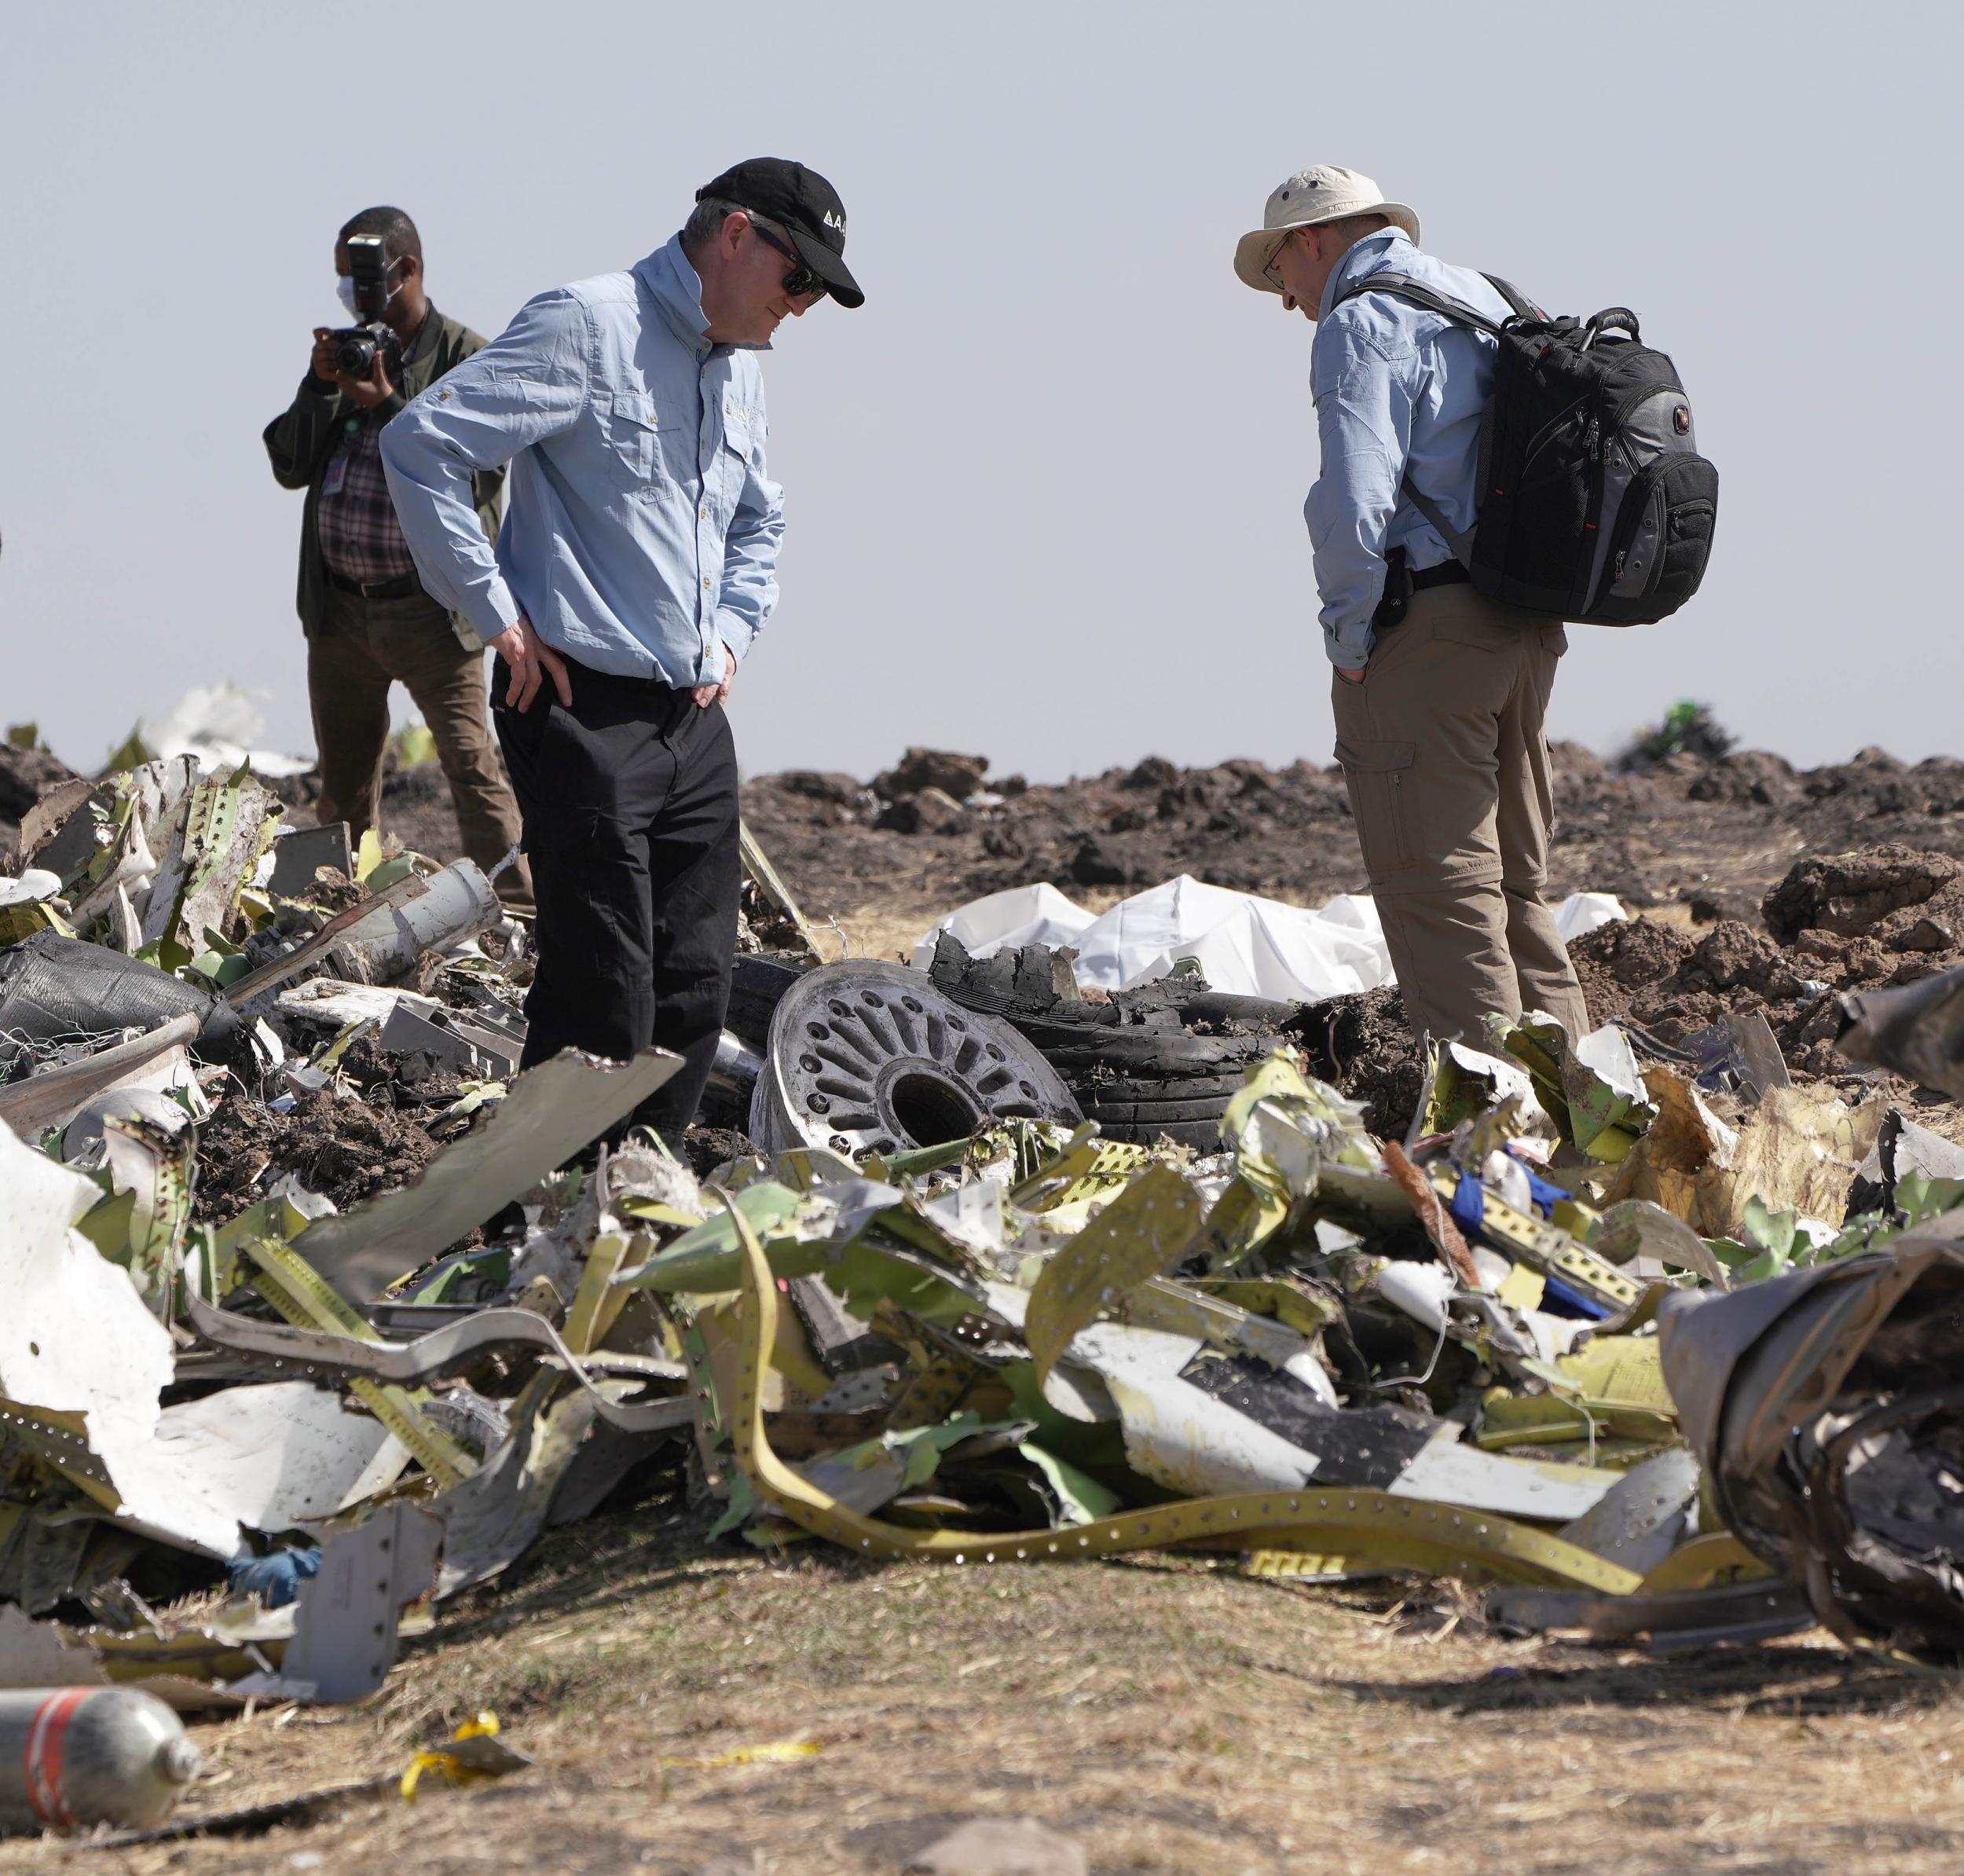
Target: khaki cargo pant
{"points": [[1444, 750], [364, 646]]}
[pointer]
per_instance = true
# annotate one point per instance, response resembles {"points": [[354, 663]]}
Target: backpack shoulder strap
{"points": [[1455, 309], [1460, 545], [1524, 308]]}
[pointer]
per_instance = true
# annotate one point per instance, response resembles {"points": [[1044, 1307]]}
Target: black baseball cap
{"points": [[806, 204]]}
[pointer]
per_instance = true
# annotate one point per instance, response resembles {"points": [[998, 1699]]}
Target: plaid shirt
{"points": [[360, 538], [304, 441]]}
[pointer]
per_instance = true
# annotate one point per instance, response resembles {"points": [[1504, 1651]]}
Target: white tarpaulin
{"points": [[219, 725], [1244, 945]]}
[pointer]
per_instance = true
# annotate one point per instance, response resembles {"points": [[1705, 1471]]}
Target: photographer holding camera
{"points": [[368, 622]]}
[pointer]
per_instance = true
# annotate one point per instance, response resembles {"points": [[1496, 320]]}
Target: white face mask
{"points": [[344, 287]]}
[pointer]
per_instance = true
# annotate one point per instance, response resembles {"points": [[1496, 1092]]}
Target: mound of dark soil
{"points": [[25, 776], [347, 1150], [1361, 1047], [708, 1148], [1710, 832], [1887, 915]]}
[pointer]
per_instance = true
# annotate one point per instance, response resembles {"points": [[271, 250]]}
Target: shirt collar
{"points": [[424, 337], [677, 290], [1361, 258]]}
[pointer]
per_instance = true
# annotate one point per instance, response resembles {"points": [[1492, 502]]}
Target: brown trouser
{"points": [[364, 646], [1444, 749]]}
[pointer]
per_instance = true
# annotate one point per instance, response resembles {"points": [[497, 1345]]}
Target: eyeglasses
{"points": [[1268, 266], [803, 278]]}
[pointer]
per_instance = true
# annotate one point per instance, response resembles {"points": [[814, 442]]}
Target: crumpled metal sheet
{"points": [[552, 1111], [281, 1453], [76, 1338], [1917, 1030], [443, 1351], [1029, 1337], [1388, 1531], [1826, 1406]]}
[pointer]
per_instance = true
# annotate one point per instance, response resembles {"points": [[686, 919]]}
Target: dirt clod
{"points": [[959, 776], [346, 1150], [708, 1148], [1851, 892], [25, 776], [928, 810], [1361, 1046]]}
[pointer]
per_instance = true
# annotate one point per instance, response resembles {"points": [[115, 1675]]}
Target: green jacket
{"points": [[302, 439]]}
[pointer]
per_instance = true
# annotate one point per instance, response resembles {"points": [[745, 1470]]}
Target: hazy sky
{"points": [[1044, 491]]}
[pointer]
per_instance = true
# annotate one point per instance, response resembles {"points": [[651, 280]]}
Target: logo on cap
{"points": [[835, 221]]}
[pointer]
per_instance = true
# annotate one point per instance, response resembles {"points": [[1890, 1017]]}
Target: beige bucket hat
{"points": [[1325, 191]]}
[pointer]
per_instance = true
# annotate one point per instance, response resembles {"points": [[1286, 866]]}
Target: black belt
{"points": [[1400, 584], [585, 681], [400, 587]]}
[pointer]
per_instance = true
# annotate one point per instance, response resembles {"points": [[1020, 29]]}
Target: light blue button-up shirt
{"points": [[1398, 389], [640, 532]]}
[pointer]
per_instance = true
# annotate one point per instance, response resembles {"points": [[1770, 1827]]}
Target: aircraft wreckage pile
{"points": [[309, 1290]]}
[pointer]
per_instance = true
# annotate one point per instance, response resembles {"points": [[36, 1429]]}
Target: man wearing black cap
{"points": [[636, 566]]}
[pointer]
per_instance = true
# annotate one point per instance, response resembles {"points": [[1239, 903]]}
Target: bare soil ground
{"points": [[1708, 835], [1169, 1715]]}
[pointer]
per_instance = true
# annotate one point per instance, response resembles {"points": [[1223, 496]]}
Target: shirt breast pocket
{"points": [[742, 421], [633, 429]]}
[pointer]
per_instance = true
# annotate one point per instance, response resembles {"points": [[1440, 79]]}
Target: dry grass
{"points": [[1170, 1716]]}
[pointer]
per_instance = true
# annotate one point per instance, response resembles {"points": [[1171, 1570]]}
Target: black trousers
{"points": [[629, 801]]}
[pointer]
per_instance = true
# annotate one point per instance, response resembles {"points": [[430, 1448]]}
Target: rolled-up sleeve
{"points": [[528, 384], [1363, 401], [749, 590]]}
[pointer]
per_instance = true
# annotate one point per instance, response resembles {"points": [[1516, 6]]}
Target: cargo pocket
{"points": [[1378, 775]]}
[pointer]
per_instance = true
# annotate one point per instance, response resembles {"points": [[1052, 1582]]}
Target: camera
{"points": [[355, 346]]}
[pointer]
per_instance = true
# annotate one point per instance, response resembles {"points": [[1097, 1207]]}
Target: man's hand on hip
{"points": [[705, 694], [531, 659]]}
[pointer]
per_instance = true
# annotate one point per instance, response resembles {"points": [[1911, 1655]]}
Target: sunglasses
{"points": [[802, 279]]}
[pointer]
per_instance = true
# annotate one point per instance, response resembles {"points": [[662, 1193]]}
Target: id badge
{"points": [[337, 474]]}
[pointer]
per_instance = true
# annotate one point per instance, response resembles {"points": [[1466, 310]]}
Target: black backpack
{"points": [[1595, 504]]}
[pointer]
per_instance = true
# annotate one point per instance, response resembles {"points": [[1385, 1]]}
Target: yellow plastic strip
{"points": [[1718, 1557], [59, 1437], [1285, 1564], [583, 1323], [304, 1297], [1368, 1528], [774, 1752], [1137, 1236], [1542, 1247]]}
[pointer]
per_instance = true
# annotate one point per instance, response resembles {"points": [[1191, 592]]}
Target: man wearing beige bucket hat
{"points": [[1440, 695]]}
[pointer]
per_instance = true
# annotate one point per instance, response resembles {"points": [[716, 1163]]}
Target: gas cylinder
{"points": [[71, 1758]]}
